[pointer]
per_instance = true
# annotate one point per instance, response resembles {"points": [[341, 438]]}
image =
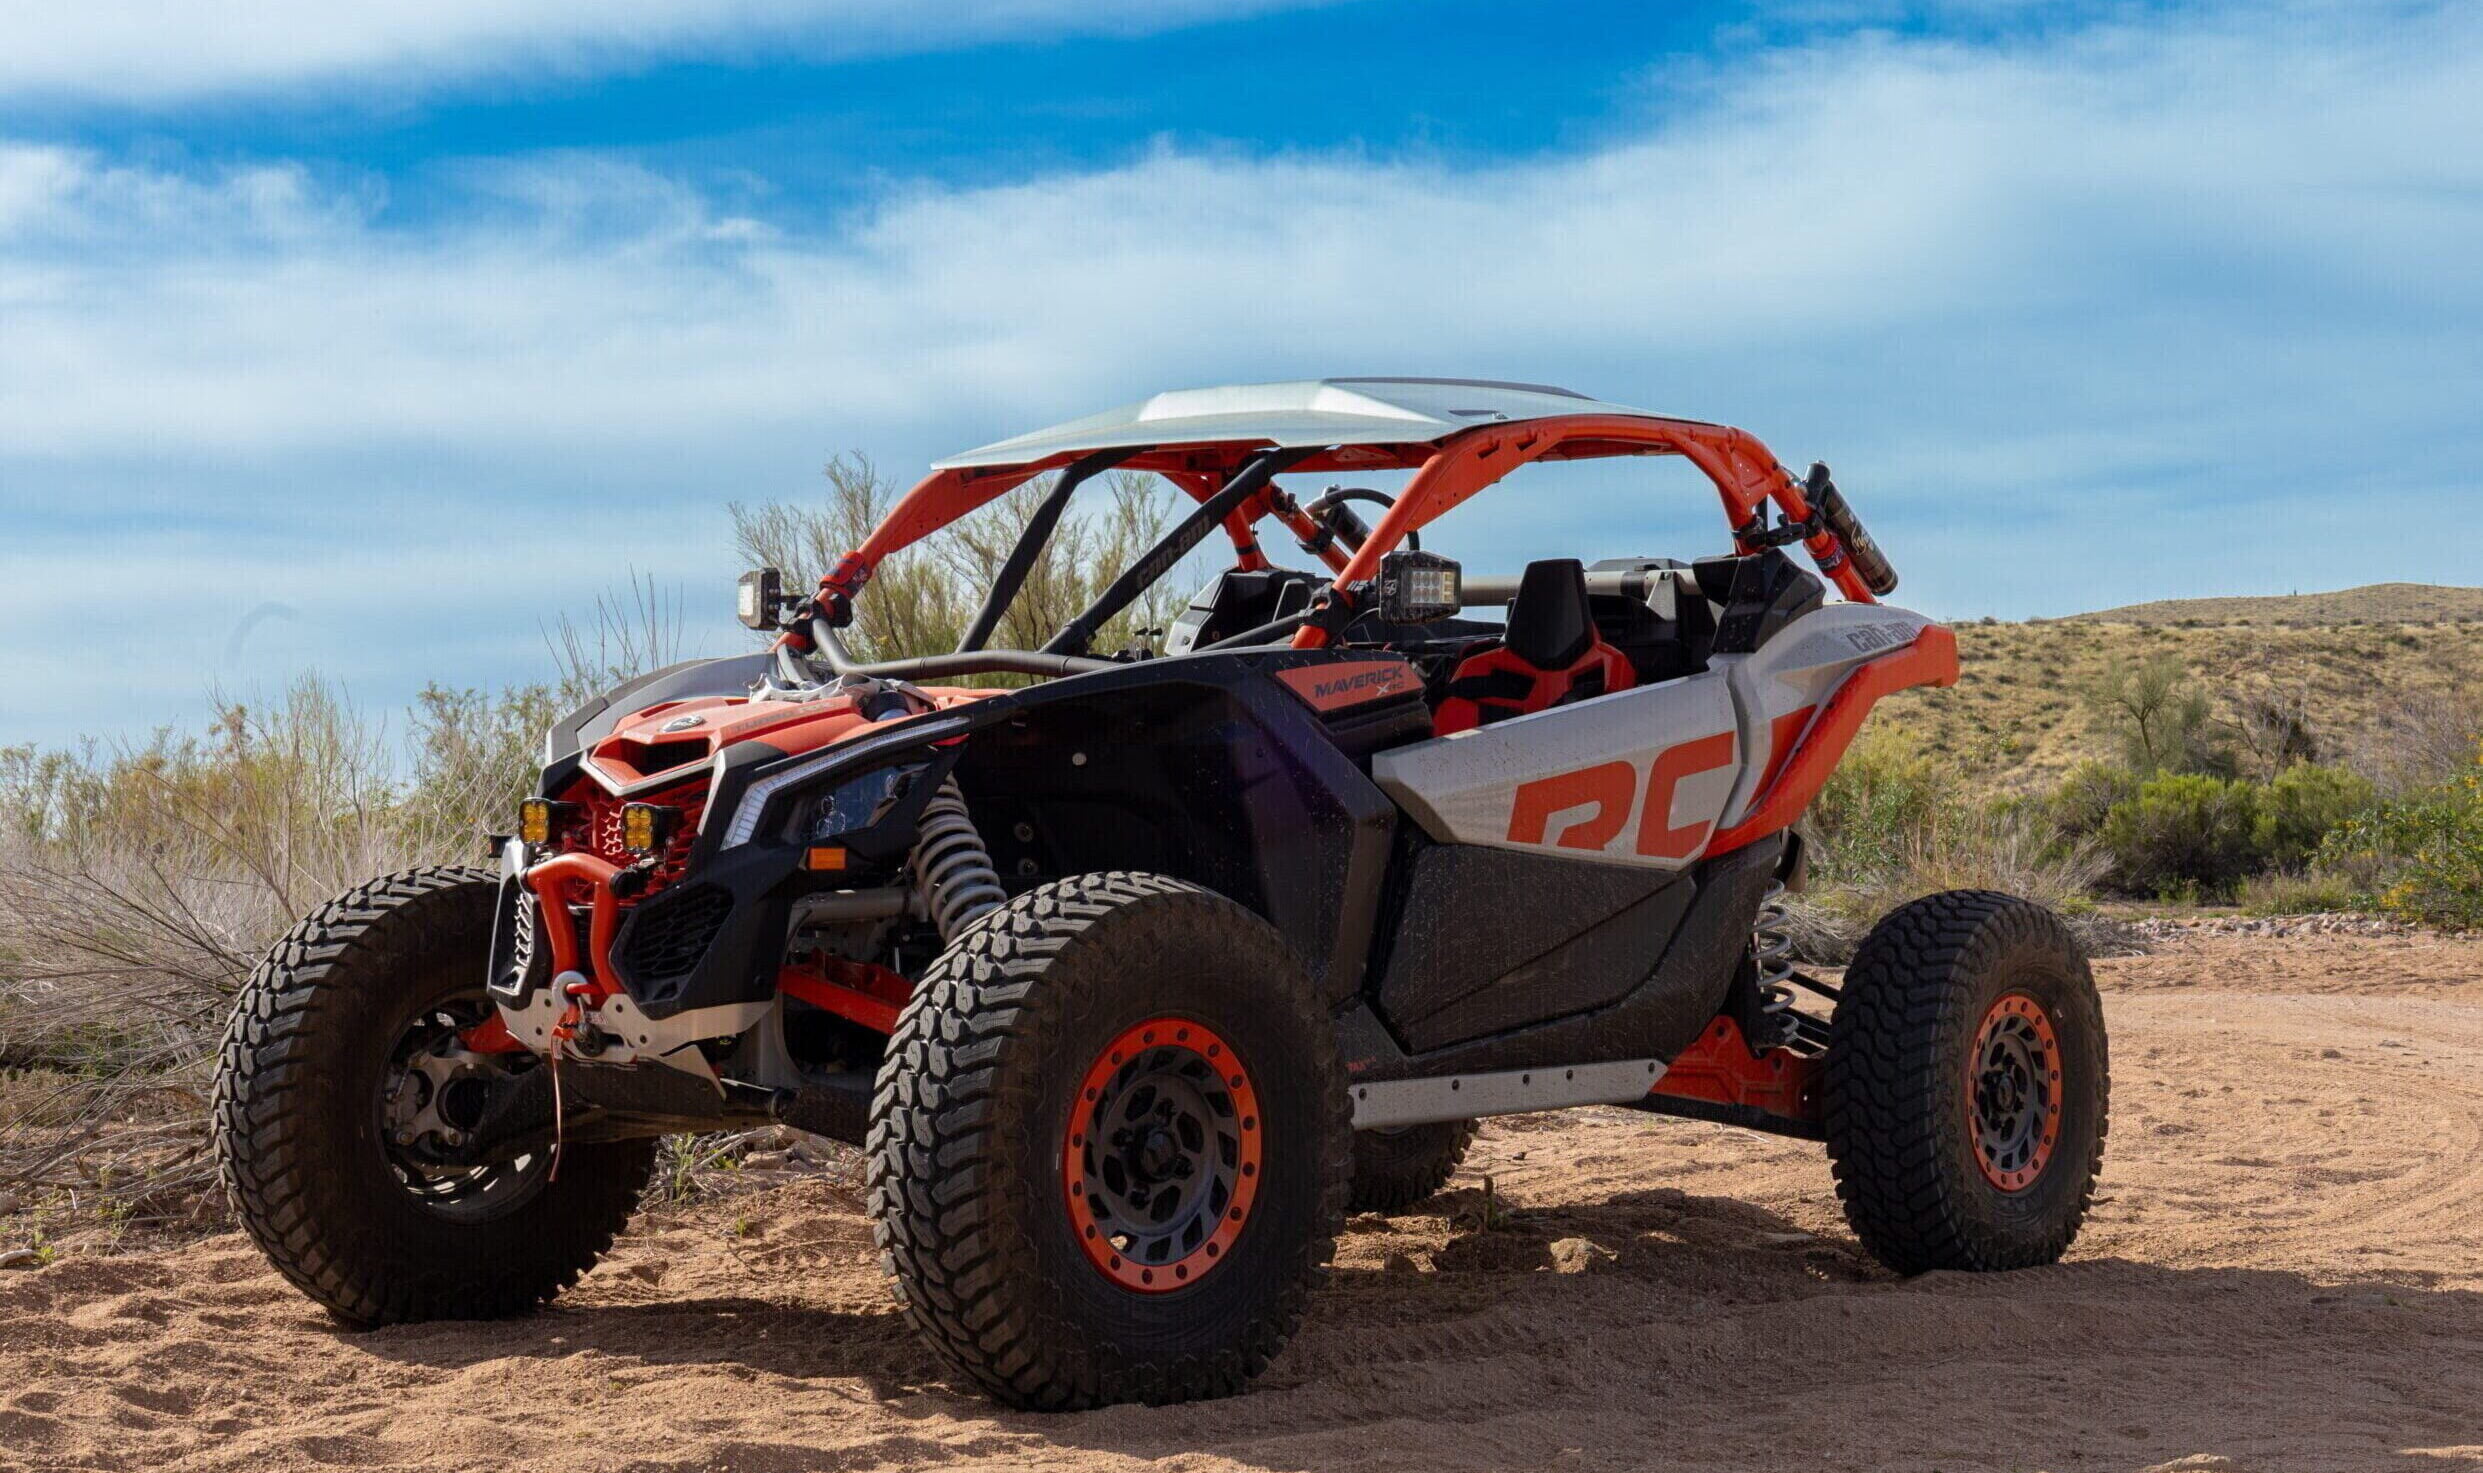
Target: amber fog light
{"points": [[540, 818], [645, 826]]}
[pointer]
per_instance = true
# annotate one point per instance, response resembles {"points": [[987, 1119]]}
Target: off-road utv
{"points": [[1133, 978]]}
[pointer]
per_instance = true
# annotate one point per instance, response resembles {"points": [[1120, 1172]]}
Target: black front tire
{"points": [[1394, 1169], [1966, 1084], [981, 1163], [300, 1138]]}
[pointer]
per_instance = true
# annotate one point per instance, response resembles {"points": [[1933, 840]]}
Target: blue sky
{"points": [[427, 322]]}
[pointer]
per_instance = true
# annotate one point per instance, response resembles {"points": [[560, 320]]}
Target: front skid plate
{"points": [[1508, 1092]]}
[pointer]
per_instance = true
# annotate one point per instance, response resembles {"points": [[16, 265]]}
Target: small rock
{"points": [[2332, 1053], [1579, 1255], [21, 1258], [1401, 1263], [767, 1161], [1781, 1240]]}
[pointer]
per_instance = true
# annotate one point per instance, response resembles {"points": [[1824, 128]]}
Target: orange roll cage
{"points": [[1447, 473]]}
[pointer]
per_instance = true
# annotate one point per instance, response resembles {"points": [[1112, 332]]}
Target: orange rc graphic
{"points": [[1610, 788]]}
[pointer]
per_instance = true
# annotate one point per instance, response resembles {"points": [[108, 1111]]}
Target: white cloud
{"points": [[2147, 283], [167, 50]]}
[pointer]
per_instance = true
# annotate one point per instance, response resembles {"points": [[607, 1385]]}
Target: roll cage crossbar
{"points": [[1233, 483]]}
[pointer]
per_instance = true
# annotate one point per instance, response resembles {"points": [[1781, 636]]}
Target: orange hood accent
{"points": [[680, 734]]}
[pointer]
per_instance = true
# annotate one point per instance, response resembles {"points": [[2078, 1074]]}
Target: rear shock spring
{"points": [[1771, 956], [952, 869]]}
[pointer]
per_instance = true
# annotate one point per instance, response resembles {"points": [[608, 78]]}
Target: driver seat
{"points": [[1550, 654]]}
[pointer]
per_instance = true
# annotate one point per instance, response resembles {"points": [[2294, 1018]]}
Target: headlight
{"points": [[753, 804], [851, 805], [846, 808]]}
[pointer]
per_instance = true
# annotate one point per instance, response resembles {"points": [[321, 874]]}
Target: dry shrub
{"points": [[2295, 894], [136, 893], [2426, 740], [138, 889], [140, 886], [1893, 825], [920, 601]]}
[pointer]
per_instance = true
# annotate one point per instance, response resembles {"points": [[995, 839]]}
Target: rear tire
{"points": [[1109, 1146], [315, 1060], [1965, 1087], [1394, 1169]]}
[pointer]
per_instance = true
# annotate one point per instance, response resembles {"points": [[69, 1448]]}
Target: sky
{"points": [[370, 340]]}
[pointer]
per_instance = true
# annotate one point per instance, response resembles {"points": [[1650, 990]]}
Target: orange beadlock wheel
{"points": [[1160, 1161], [2013, 1091]]}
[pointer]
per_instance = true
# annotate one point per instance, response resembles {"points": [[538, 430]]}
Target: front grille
{"points": [[521, 939], [666, 940], [597, 831]]}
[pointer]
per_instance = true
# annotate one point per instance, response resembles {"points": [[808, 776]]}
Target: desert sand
{"points": [[2284, 1271]]}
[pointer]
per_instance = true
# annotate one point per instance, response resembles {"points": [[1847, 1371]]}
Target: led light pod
{"points": [[538, 819], [1418, 587], [645, 827]]}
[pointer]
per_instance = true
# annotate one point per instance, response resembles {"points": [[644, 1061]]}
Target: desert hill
{"points": [[2367, 668], [2372, 603]]}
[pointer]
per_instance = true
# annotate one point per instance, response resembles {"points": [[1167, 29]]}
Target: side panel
{"points": [[1779, 690], [1480, 940], [1649, 776], [1639, 777], [1672, 995]]}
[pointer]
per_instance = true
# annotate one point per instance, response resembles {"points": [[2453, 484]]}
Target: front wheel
{"points": [[344, 1084], [1109, 1146], [1965, 1085]]}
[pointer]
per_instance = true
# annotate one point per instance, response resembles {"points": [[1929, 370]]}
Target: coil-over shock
{"points": [[1771, 955], [1775, 978], [953, 872]]}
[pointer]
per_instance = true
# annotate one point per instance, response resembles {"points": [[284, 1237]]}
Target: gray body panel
{"points": [[1644, 776]]}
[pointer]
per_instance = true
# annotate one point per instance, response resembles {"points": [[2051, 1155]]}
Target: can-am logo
{"points": [[679, 723], [1871, 638]]}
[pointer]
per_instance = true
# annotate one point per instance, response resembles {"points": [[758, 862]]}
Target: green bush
{"points": [[1882, 798], [2430, 847], [2087, 796], [2184, 835], [2301, 806], [2188, 835]]}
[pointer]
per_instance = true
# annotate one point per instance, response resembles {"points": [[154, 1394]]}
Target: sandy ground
{"points": [[2282, 1272]]}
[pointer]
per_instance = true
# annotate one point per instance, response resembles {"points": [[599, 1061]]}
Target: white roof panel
{"points": [[1326, 411]]}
